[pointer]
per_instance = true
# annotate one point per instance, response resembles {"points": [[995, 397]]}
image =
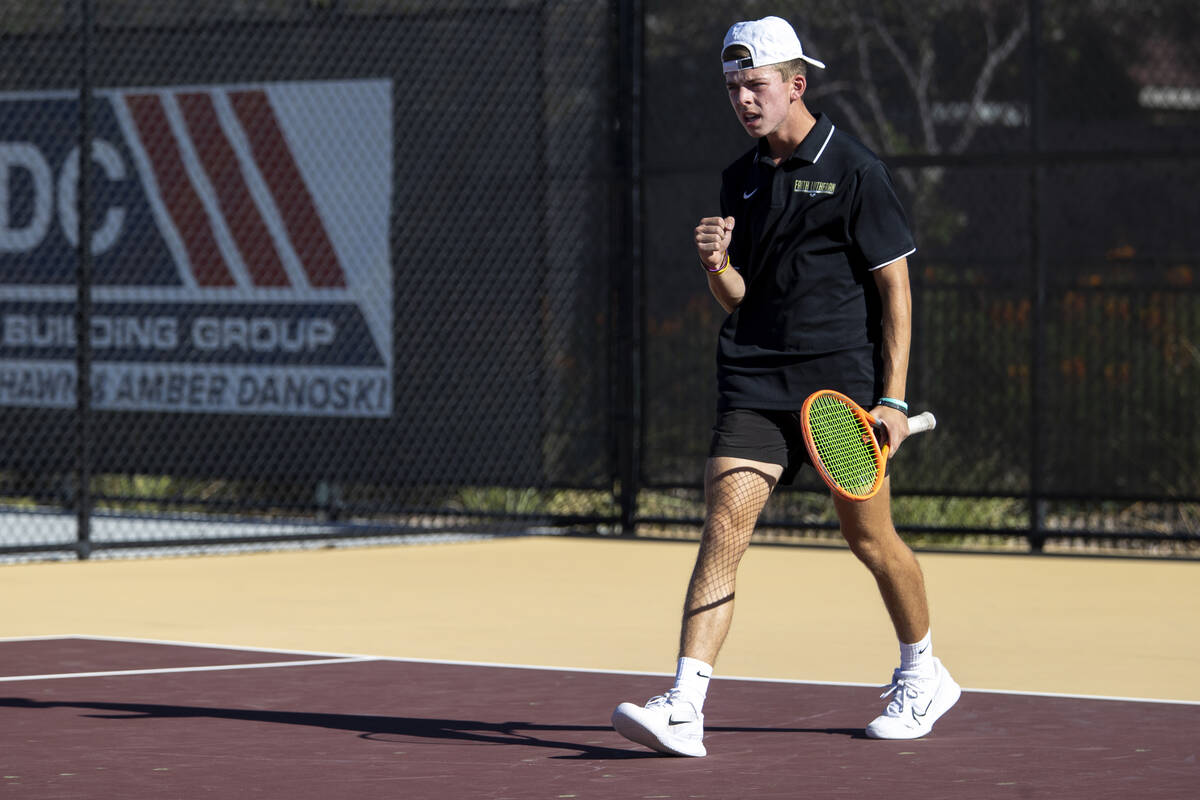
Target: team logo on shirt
{"points": [[814, 188]]}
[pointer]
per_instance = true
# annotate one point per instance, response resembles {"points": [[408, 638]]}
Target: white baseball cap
{"points": [[770, 40]]}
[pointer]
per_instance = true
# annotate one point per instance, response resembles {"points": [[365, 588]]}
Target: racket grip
{"points": [[925, 421]]}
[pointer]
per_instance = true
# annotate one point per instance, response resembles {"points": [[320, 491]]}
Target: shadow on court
{"points": [[425, 730], [524, 734]]}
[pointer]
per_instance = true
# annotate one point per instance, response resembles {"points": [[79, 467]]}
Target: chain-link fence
{"points": [[365, 268], [1047, 154], [348, 268]]}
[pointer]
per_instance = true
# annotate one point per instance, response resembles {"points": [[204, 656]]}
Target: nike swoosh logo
{"points": [[919, 717], [749, 194], [702, 675], [673, 722]]}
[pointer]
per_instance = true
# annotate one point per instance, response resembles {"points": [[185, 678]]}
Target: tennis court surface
{"points": [[89, 717]]}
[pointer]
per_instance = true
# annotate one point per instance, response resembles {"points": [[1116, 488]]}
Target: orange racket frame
{"points": [[868, 429]]}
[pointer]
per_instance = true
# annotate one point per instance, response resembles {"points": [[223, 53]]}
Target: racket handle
{"points": [[925, 421]]}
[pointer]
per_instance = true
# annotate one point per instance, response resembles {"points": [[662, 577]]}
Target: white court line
{"points": [[171, 670], [337, 658], [174, 643]]}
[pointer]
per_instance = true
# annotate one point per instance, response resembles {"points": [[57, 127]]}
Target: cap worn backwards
{"points": [[770, 40]]}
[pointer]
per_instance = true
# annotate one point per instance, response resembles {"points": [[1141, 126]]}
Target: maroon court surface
{"points": [[300, 725]]}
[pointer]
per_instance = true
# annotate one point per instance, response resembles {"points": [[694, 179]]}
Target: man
{"points": [[809, 257]]}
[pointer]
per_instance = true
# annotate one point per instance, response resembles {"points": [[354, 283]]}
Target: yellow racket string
{"points": [[844, 444]]}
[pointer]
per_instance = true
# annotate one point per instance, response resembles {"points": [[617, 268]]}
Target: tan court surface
{"points": [[1123, 628]]}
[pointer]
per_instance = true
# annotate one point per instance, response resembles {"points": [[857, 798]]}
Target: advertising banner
{"points": [[240, 242]]}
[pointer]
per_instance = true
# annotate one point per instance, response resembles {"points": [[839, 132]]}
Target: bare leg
{"points": [[868, 529], [735, 492]]}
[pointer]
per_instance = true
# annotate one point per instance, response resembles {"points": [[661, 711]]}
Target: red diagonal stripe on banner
{"points": [[241, 212], [287, 185], [183, 204]]}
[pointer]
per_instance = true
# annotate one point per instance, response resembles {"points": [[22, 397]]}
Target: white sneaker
{"points": [[917, 702], [667, 723]]}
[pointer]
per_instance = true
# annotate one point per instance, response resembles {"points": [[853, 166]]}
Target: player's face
{"points": [[760, 98]]}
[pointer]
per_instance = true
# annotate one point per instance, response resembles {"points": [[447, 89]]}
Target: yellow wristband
{"points": [[724, 267]]}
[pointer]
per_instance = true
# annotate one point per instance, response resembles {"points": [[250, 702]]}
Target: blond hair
{"points": [[787, 69]]}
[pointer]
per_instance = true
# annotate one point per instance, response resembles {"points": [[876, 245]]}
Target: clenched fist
{"points": [[712, 240]]}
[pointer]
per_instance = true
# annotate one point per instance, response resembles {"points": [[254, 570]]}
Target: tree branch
{"points": [[857, 122], [871, 95], [995, 57], [918, 81]]}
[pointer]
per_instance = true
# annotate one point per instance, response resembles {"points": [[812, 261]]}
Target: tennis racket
{"points": [[844, 445]]}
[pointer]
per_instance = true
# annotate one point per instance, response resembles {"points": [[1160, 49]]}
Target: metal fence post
{"points": [[1036, 535], [627, 266], [83, 303]]}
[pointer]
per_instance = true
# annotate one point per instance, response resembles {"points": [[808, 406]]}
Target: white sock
{"points": [[691, 679], [917, 657]]}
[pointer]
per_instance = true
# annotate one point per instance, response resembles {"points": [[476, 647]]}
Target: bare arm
{"points": [[712, 245], [896, 296]]}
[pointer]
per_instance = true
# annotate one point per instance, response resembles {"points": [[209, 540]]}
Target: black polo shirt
{"points": [[808, 233]]}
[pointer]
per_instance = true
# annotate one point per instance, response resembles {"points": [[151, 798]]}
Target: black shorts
{"points": [[773, 437]]}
